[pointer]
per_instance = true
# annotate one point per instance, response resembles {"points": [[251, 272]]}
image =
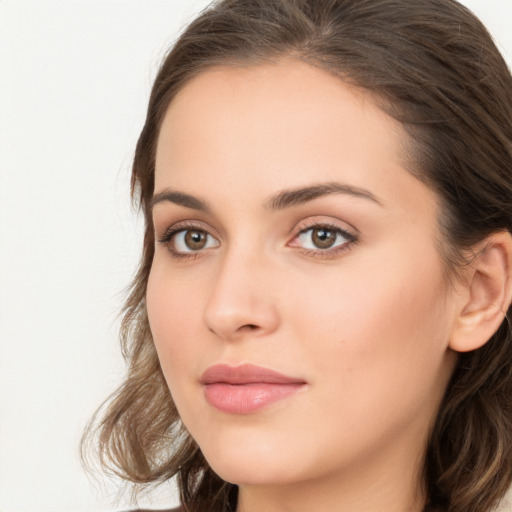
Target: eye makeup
{"points": [[317, 239]]}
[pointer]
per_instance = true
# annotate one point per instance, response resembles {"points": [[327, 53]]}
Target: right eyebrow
{"points": [[180, 198]]}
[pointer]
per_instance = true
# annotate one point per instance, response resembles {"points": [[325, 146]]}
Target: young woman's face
{"points": [[290, 237]]}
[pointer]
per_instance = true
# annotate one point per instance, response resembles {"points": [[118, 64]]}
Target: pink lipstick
{"points": [[247, 388]]}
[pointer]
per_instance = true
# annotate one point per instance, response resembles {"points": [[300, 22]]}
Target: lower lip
{"points": [[247, 398]]}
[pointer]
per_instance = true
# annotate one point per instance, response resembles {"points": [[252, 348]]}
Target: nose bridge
{"points": [[241, 299]]}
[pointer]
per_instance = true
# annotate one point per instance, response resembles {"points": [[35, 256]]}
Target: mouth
{"points": [[246, 388]]}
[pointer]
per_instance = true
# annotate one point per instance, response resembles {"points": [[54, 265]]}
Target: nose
{"points": [[242, 302]]}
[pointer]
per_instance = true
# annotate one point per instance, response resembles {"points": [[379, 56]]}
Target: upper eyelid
{"points": [[312, 222], [188, 224], [298, 227]]}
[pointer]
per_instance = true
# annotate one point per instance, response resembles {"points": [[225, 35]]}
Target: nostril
{"points": [[249, 327], [245, 328]]}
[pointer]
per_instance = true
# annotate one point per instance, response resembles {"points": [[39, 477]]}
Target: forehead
{"points": [[288, 89], [277, 125]]}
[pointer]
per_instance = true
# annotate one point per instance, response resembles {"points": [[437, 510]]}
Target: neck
{"points": [[392, 483]]}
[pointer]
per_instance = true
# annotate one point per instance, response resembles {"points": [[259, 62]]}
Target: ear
{"points": [[487, 296]]}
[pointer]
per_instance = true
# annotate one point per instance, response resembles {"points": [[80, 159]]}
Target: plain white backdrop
{"points": [[75, 77]]}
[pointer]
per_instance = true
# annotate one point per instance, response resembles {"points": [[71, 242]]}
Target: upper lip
{"points": [[245, 374]]}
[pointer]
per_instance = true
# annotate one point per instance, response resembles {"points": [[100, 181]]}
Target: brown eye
{"points": [[182, 242], [323, 237], [195, 240]]}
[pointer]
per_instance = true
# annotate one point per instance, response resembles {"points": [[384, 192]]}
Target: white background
{"points": [[74, 81]]}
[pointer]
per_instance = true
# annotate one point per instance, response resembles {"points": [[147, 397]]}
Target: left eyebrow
{"points": [[294, 197]]}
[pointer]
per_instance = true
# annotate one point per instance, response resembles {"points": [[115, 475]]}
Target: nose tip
{"points": [[231, 323], [240, 306]]}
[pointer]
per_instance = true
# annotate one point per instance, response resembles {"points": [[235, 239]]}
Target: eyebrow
{"points": [[180, 198], [294, 197], [282, 200]]}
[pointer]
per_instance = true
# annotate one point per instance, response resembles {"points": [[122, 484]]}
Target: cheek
{"points": [[386, 314], [173, 313], [375, 342]]}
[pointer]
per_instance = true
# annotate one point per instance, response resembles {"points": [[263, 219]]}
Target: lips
{"points": [[246, 388]]}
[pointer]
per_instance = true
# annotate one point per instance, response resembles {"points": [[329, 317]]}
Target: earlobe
{"points": [[489, 294]]}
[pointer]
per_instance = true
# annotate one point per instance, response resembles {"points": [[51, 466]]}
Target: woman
{"points": [[319, 320]]}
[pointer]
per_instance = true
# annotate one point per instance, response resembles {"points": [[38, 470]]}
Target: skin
{"points": [[365, 323]]}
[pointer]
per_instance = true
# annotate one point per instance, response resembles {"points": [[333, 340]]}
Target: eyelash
{"points": [[351, 238], [171, 232]]}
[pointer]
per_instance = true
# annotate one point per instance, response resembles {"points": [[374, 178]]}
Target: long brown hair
{"points": [[432, 65]]}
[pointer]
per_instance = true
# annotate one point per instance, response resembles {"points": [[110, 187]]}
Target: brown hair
{"points": [[435, 68]]}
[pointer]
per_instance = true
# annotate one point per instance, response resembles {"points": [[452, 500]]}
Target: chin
{"points": [[252, 474], [252, 464]]}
